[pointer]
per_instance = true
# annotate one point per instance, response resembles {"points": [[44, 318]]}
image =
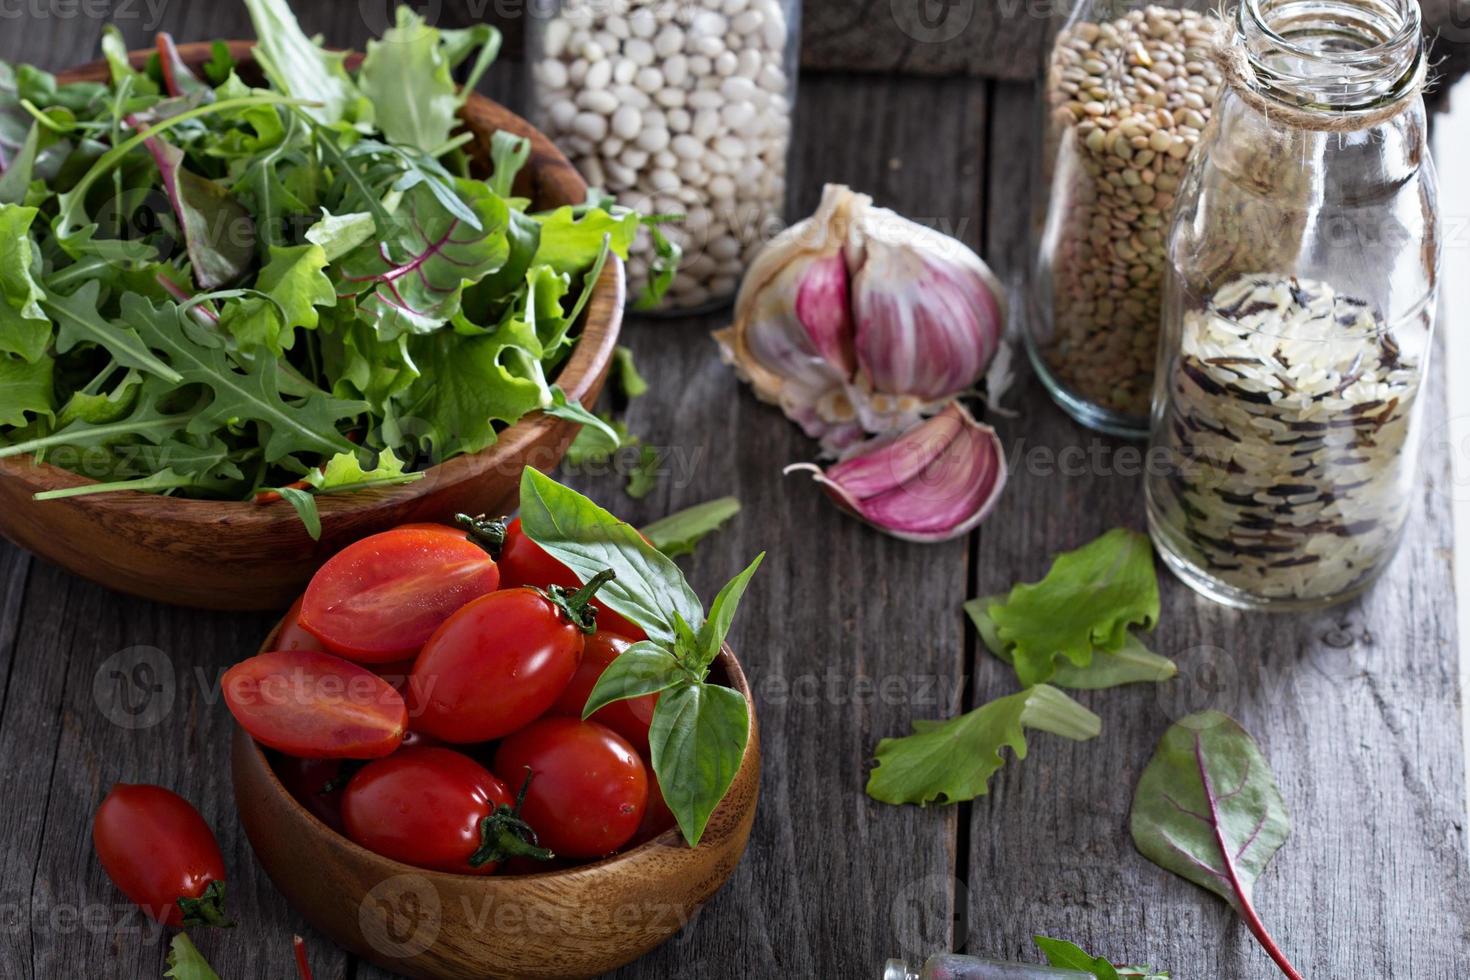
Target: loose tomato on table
{"points": [[379, 599], [315, 706], [588, 789], [161, 854], [523, 562], [630, 717], [438, 809], [500, 662]]}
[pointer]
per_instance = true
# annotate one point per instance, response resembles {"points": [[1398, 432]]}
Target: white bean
{"points": [[590, 125], [649, 79], [652, 140], [627, 122], [598, 100], [670, 41], [639, 51]]}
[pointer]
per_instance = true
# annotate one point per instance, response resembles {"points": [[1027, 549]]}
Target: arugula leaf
{"points": [[15, 180], [458, 43], [416, 273], [1087, 600], [643, 668], [249, 394], [220, 65], [590, 445], [25, 330], [649, 588], [25, 389], [508, 154], [600, 437], [697, 739], [78, 321], [145, 419], [119, 68], [1132, 663], [644, 475], [299, 66], [305, 506], [186, 962], [679, 533], [953, 760], [625, 372]]}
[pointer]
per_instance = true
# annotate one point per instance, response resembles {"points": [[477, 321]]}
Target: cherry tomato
{"points": [[396, 673], [161, 854], [497, 665], [315, 706], [316, 784], [430, 807], [524, 562], [379, 599], [657, 817], [293, 636], [630, 717], [588, 787]]}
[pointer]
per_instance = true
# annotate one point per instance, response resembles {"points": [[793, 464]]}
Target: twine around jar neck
{"points": [[1239, 69]]}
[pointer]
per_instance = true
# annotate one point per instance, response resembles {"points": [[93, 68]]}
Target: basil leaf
{"points": [[584, 537], [722, 612], [597, 436], [643, 668], [1070, 956], [697, 738], [678, 533]]}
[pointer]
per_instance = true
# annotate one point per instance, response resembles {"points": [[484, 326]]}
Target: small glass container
{"points": [[675, 107], [1126, 94], [953, 966], [1299, 310]]}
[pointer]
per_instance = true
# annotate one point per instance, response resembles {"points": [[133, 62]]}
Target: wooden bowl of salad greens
{"points": [[258, 301]]}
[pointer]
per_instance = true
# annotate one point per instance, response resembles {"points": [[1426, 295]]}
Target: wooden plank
{"points": [[1357, 708]]}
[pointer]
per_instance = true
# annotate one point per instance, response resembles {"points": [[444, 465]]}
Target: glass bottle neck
{"points": [[1336, 55]]}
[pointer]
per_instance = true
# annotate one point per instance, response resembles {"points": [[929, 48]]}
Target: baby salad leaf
{"points": [[697, 738], [25, 330], [1208, 809], [299, 66], [296, 284], [250, 394], [305, 506], [186, 962], [572, 237], [625, 372], [678, 533], [1087, 600], [643, 668], [953, 760], [508, 154], [649, 588], [407, 77], [643, 477], [78, 321], [218, 232], [416, 273], [598, 437], [25, 389], [339, 234], [1132, 663], [1070, 956]]}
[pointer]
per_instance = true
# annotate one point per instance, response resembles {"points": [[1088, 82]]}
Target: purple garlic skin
{"points": [[858, 321], [934, 482]]}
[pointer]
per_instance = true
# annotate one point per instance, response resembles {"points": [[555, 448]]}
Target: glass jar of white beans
{"points": [[675, 107]]}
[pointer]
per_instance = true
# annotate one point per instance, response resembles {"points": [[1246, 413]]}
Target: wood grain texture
{"points": [[1356, 709]]}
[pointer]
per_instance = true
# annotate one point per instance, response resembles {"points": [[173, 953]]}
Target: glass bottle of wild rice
{"points": [[1299, 309], [1126, 94]]}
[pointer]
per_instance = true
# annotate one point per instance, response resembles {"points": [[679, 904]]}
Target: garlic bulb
{"points": [[932, 483], [858, 321]]}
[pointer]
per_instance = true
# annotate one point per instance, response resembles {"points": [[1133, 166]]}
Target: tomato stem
{"points": [[577, 605], [487, 532], [504, 834], [208, 909]]}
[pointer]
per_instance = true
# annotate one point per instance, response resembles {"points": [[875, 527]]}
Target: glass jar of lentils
{"points": [[1299, 309], [1126, 94], [675, 107]]}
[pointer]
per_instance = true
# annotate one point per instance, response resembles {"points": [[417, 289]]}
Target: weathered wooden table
{"points": [[847, 636]]}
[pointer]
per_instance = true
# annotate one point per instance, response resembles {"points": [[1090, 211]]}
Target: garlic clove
{"points": [[928, 312], [932, 483]]}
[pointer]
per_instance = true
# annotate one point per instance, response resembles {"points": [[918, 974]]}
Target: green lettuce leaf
{"points": [[185, 962], [25, 389], [572, 238], [25, 329], [407, 77], [339, 234], [1088, 600], [298, 65], [950, 761], [296, 283]]}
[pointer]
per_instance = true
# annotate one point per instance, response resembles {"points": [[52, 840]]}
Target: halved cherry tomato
{"points": [[292, 635], [379, 599], [161, 854], [498, 664], [433, 808], [315, 706], [524, 562], [588, 789], [630, 717]]}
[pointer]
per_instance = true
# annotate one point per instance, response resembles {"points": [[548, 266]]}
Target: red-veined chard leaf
{"points": [[414, 274], [1208, 809]]}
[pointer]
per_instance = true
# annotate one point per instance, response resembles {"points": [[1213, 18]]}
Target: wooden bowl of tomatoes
{"points": [[412, 813], [220, 554]]}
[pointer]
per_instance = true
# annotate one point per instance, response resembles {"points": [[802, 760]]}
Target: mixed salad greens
{"points": [[220, 290]]}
